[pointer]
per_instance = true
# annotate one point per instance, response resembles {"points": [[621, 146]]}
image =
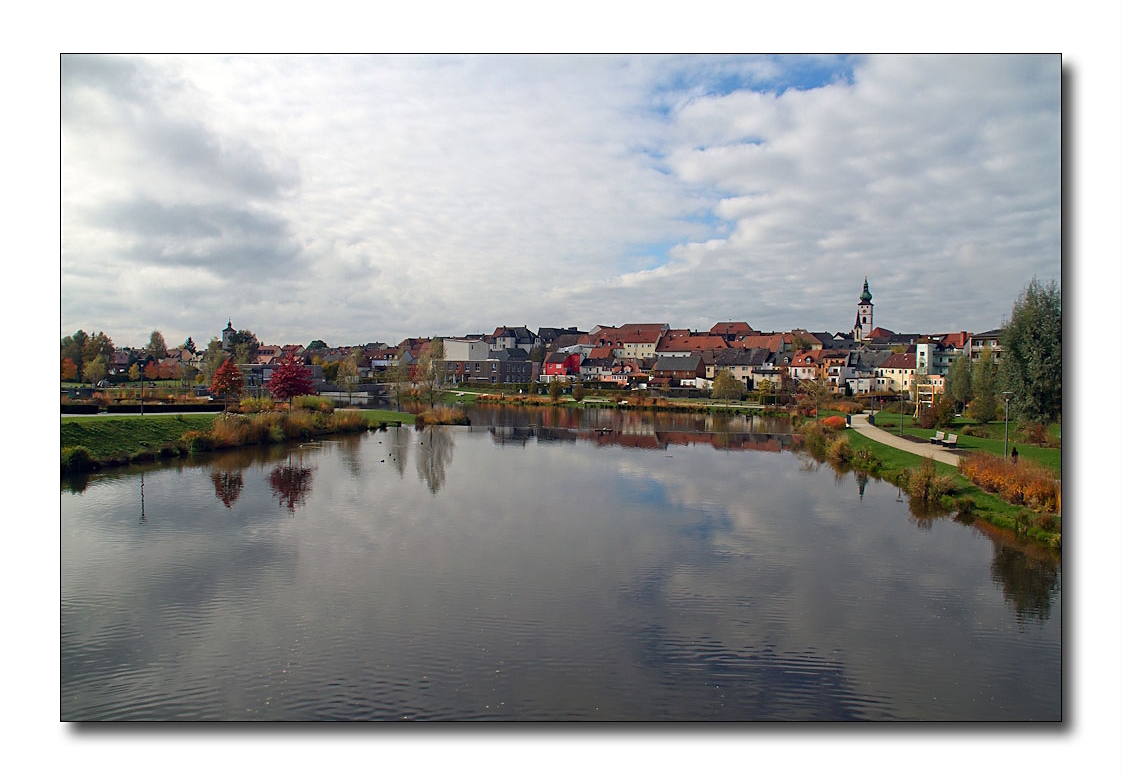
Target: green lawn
{"points": [[116, 436], [108, 436], [994, 443]]}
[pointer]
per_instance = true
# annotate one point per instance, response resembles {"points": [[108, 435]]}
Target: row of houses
{"points": [[636, 355]]}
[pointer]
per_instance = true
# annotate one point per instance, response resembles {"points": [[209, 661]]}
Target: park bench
{"points": [[951, 441], [937, 438]]}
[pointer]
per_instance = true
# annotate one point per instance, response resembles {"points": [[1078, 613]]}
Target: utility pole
{"points": [[1006, 393]]}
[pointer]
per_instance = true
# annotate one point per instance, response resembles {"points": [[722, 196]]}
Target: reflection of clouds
{"points": [[729, 582]]}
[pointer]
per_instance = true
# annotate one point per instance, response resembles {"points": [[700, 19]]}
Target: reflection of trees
{"points": [[349, 451], [434, 453], [227, 486], [1029, 583], [399, 448], [291, 484]]}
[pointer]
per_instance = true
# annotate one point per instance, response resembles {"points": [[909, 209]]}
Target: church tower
{"points": [[228, 336], [864, 323]]}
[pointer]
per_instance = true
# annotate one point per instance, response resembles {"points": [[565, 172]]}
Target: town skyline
{"points": [[347, 197]]}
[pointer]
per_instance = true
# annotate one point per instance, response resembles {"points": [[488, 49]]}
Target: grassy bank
{"points": [[90, 442], [966, 498]]}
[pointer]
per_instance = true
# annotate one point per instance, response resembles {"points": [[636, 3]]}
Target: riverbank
{"points": [[896, 460], [101, 441]]}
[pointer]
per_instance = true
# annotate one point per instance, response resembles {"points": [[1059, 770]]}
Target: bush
{"points": [[839, 450], [198, 441], [314, 403], [1035, 433], [977, 431], [76, 460], [924, 483], [832, 423], [254, 405]]}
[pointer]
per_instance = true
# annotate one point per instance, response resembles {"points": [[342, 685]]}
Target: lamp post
{"points": [[1006, 393]]}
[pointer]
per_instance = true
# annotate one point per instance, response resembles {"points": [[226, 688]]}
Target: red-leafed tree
{"points": [[290, 379], [69, 370], [227, 381]]}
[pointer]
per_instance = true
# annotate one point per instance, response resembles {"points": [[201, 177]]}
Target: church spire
{"points": [[866, 297]]}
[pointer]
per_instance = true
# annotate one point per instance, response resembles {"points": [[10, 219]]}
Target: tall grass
{"points": [[1023, 483], [924, 483]]}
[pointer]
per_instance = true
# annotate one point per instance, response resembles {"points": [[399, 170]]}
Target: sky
{"points": [[372, 198]]}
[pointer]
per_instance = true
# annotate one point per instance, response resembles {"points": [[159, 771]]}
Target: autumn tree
{"points": [[290, 379], [1031, 349], [96, 345], [430, 370], [134, 372], [151, 370], [95, 370], [727, 387], [396, 376], [74, 348], [347, 372], [157, 347], [227, 382], [69, 370], [555, 390]]}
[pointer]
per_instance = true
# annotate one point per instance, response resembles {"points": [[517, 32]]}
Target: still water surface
{"points": [[543, 566]]}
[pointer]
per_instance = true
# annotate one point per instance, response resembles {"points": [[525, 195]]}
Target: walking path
{"points": [[860, 423]]}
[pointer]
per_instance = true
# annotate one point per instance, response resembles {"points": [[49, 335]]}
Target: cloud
{"points": [[384, 197]]}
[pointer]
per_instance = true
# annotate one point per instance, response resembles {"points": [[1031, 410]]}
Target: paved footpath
{"points": [[860, 423]]}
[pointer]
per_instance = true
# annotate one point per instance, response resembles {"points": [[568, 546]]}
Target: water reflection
{"points": [[1028, 583], [715, 585], [434, 453], [227, 486], [291, 483]]}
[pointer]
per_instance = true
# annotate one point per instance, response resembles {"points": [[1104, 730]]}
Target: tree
{"points": [[69, 370], [245, 345], [1031, 349], [330, 370], [227, 382], [347, 371], [960, 384], [578, 392], [290, 379], [396, 376], [157, 347], [74, 347], [151, 370], [430, 370], [984, 380], [99, 344], [134, 372], [727, 387], [188, 344], [317, 344], [95, 370], [555, 389], [212, 359]]}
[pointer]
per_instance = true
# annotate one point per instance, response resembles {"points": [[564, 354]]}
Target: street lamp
{"points": [[1006, 393]]}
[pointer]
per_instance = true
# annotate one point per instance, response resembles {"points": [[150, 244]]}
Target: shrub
{"points": [[977, 431], [833, 423], [313, 403], [1035, 433], [198, 441], [839, 450], [254, 405], [76, 460], [924, 484]]}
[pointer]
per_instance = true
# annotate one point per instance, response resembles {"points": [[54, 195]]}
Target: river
{"points": [[543, 565]]}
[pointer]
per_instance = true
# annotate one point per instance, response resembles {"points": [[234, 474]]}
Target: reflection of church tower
{"points": [[228, 336], [864, 323]]}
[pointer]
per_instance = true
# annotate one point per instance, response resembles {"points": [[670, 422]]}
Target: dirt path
{"points": [[860, 423]]}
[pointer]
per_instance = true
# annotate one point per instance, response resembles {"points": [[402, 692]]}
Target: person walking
{"points": [[1014, 456]]}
